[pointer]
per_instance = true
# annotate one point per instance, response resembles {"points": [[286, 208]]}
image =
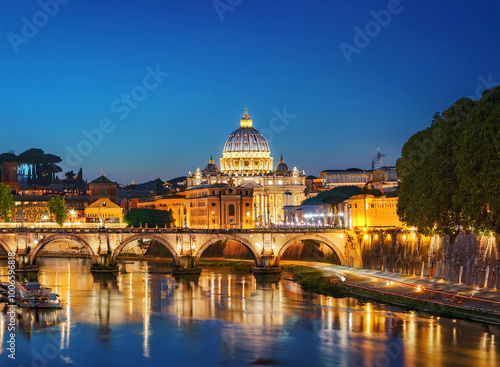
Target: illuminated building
{"points": [[246, 159], [9, 175], [350, 177], [371, 211], [105, 211], [384, 178], [102, 187], [176, 203], [31, 208], [220, 206]]}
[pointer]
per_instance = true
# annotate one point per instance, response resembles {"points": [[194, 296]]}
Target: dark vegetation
{"points": [[449, 173], [150, 218]]}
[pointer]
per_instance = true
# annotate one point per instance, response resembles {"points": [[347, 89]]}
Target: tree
{"points": [[478, 154], [6, 202], [42, 167], [148, 217], [426, 170], [8, 157], [449, 172], [57, 206]]}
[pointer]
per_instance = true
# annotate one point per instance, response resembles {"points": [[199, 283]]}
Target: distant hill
{"points": [[154, 187]]}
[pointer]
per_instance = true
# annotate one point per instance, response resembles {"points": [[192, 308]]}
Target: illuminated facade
{"points": [[246, 159], [371, 211], [220, 206], [176, 203], [103, 187], [104, 210], [349, 177]]}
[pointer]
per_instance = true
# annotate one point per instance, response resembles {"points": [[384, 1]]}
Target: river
{"points": [[224, 318]]}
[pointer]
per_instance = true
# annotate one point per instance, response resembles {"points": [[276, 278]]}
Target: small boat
{"points": [[35, 295], [4, 289]]}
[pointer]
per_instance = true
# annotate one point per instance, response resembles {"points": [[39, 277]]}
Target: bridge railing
{"points": [[83, 230]]}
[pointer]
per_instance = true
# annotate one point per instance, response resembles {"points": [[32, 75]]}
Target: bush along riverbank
{"points": [[237, 265], [313, 280]]}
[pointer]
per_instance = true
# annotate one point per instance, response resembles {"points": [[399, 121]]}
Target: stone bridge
{"points": [[185, 245]]}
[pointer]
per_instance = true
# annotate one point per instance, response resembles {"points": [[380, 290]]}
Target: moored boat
{"points": [[36, 295]]}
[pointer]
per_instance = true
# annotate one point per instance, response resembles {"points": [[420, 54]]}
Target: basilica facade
{"points": [[247, 163]]}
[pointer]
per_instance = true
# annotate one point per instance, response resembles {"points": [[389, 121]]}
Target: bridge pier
{"points": [[268, 264], [24, 263], [104, 264], [188, 264]]}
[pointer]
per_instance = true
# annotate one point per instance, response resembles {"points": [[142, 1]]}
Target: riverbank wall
{"points": [[468, 258]]}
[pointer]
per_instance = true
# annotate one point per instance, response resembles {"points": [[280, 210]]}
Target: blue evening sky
{"points": [[74, 70]]}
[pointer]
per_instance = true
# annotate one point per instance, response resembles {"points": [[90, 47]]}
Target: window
{"points": [[247, 204], [213, 204], [231, 209], [104, 192]]}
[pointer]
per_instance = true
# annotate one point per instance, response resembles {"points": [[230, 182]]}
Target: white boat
{"points": [[35, 295]]}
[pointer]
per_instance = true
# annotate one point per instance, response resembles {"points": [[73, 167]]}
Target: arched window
{"points": [[231, 209], [104, 192]]}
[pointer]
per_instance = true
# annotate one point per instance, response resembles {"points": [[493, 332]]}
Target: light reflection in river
{"points": [[229, 318]]}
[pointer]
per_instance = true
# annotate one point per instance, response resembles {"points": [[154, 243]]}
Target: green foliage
{"points": [[449, 172], [235, 264], [6, 202], [148, 217], [478, 154], [57, 207], [375, 192], [392, 194], [312, 280], [42, 166]]}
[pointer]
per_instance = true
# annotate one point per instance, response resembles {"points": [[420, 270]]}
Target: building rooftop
{"points": [[102, 179], [103, 203]]}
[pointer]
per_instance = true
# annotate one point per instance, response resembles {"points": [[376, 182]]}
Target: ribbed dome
{"points": [[211, 168], [282, 167], [246, 139]]}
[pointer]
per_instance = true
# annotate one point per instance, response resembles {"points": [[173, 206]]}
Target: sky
{"points": [[146, 89]]}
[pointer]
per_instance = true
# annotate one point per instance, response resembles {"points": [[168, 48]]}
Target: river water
{"points": [[224, 318]]}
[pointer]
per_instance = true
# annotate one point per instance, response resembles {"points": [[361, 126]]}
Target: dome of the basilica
{"points": [[246, 138]]}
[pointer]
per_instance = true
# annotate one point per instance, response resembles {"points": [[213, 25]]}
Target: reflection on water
{"points": [[227, 318]]}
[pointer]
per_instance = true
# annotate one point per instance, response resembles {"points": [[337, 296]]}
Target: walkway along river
{"points": [[225, 318]]}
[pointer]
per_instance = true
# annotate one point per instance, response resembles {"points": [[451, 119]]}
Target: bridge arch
{"points": [[255, 253], [6, 247], [61, 236], [152, 237], [315, 237]]}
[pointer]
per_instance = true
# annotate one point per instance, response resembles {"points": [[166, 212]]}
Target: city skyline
{"points": [[324, 93]]}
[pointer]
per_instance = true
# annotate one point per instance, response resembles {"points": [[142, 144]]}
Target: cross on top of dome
{"points": [[245, 120]]}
